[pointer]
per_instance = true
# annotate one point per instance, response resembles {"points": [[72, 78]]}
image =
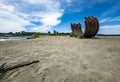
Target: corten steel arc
{"points": [[91, 27]]}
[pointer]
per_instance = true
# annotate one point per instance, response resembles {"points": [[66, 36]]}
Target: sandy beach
{"points": [[63, 59]]}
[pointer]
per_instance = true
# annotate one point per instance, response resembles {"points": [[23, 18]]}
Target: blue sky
{"points": [[47, 15]]}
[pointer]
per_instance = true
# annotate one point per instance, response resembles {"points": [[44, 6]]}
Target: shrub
{"points": [[36, 34], [72, 35], [82, 37]]}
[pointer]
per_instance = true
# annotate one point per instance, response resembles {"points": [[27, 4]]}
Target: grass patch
{"points": [[82, 37], [37, 34], [72, 35]]}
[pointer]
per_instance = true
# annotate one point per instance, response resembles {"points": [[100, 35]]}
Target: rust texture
{"points": [[76, 29], [91, 28]]}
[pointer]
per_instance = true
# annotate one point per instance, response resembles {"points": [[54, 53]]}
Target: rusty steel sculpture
{"points": [[91, 28]]}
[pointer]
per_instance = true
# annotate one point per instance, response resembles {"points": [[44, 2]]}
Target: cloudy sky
{"points": [[47, 15]]}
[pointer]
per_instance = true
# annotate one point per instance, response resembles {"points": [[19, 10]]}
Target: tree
{"points": [[49, 32], [23, 33], [54, 32]]}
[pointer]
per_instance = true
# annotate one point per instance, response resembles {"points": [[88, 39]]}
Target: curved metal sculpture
{"points": [[91, 28]]}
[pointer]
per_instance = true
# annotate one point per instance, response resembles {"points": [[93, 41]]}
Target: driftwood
{"points": [[9, 66], [91, 27]]}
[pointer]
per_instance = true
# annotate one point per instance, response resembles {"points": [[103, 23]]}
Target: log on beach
{"points": [[13, 65]]}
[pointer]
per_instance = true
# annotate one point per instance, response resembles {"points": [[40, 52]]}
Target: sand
{"points": [[63, 59]]}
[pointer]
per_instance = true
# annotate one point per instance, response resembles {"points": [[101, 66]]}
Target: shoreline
{"points": [[14, 38], [26, 37]]}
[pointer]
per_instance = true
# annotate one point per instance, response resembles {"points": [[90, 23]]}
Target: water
{"points": [[14, 38]]}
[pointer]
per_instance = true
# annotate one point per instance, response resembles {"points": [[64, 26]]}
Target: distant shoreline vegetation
{"points": [[33, 34], [11, 34], [38, 34], [108, 35], [55, 33]]}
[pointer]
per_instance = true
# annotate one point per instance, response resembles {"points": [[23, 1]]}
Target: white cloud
{"points": [[51, 5], [51, 19], [14, 17], [8, 8], [42, 28], [104, 20], [79, 5], [48, 20], [39, 1], [110, 26], [9, 21], [110, 29], [112, 10], [115, 19], [69, 1]]}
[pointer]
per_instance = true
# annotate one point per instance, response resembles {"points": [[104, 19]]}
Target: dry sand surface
{"points": [[63, 59]]}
